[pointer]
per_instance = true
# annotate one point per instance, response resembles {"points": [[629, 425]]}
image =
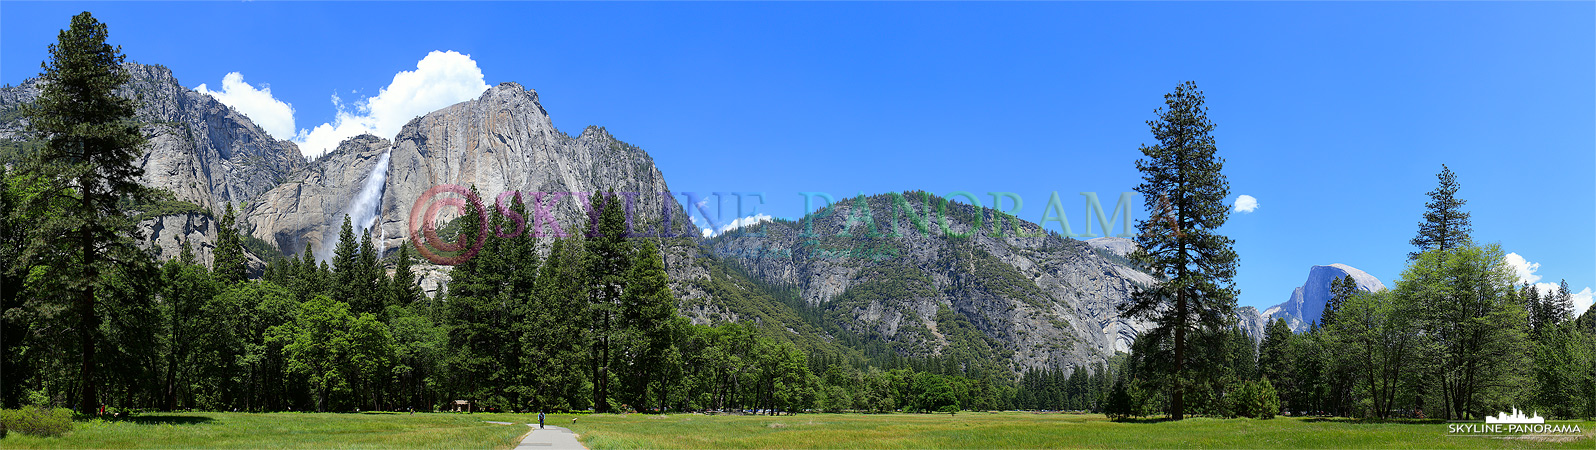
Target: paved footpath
{"points": [[552, 437]]}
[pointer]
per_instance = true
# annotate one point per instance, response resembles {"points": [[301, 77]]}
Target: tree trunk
{"points": [[1177, 401], [88, 322]]}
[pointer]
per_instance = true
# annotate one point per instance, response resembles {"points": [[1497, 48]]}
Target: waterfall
{"points": [[364, 210]]}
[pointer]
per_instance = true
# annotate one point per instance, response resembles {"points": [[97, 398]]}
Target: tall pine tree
{"points": [[608, 260], [346, 268], [90, 162], [1184, 188], [649, 315]]}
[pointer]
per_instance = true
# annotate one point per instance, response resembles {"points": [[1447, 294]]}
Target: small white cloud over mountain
{"points": [[746, 221], [735, 224], [273, 115], [1246, 203]]}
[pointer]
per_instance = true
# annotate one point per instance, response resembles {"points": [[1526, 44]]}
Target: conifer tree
{"points": [[89, 162], [1561, 308], [1184, 189], [1341, 290], [230, 265], [346, 267], [648, 313], [608, 259], [475, 318], [1274, 354], [403, 289], [556, 345], [369, 280], [1446, 225]]}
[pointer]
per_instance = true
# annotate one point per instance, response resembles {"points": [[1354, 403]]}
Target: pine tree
{"points": [[1184, 189], [648, 312], [475, 318], [608, 259], [403, 289], [230, 266], [89, 161], [346, 267], [1561, 308], [1274, 357], [556, 346], [310, 279], [1341, 290], [1446, 224], [369, 280]]}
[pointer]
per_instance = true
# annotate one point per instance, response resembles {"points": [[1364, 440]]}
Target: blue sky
{"points": [[1334, 116]]}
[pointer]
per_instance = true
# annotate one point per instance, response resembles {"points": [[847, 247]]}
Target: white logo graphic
{"points": [[1517, 417]]}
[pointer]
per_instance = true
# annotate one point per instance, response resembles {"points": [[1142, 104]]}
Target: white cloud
{"points": [[746, 221], [1582, 301], [273, 115], [735, 224], [1246, 203], [1525, 270], [440, 79]]}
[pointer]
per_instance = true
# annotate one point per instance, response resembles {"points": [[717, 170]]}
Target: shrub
{"points": [[1268, 400], [37, 421]]}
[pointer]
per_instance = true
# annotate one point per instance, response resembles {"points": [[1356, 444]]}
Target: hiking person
{"points": [[540, 420]]}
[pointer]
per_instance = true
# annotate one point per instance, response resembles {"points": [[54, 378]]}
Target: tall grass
{"points": [[282, 430]]}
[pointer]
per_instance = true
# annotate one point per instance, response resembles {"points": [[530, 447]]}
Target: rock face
{"points": [[504, 140], [498, 142], [1043, 301], [203, 151], [309, 207], [164, 235], [1116, 245], [1307, 301]]}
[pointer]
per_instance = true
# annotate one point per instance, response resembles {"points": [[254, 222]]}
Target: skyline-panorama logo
{"points": [[1515, 424]]}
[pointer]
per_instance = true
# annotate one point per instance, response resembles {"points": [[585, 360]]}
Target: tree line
{"points": [[1457, 339]]}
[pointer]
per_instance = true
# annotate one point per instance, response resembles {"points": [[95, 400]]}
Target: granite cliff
{"points": [[204, 152]]}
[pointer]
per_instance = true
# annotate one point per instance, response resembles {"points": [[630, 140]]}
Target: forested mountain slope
{"points": [[927, 277]]}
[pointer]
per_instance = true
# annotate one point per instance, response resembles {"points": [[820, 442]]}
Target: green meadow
{"points": [[804, 431], [1024, 430]]}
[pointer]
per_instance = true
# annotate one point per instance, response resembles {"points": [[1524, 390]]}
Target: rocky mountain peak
{"points": [[1307, 302], [201, 150]]}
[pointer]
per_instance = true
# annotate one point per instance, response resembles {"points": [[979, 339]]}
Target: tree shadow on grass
{"points": [[1145, 420], [164, 420], [1349, 420]]}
